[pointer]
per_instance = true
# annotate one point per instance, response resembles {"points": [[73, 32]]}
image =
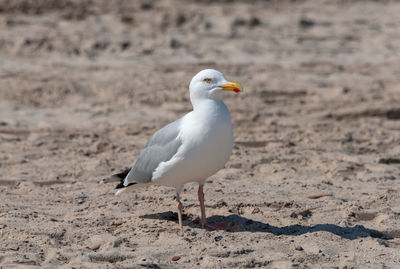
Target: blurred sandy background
{"points": [[313, 181]]}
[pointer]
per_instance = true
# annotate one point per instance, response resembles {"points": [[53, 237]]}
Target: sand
{"points": [[313, 181]]}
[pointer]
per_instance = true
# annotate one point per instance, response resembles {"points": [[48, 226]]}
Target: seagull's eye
{"points": [[207, 80]]}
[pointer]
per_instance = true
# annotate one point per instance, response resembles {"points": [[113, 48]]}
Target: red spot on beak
{"points": [[236, 90]]}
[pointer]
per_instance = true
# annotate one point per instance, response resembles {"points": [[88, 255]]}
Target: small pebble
{"points": [[175, 258], [95, 246], [218, 238]]}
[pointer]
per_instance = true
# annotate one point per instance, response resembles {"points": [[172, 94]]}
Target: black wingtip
{"points": [[123, 174], [121, 185], [116, 177]]}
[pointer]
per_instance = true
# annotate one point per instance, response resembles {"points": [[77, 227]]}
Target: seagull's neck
{"points": [[211, 110], [206, 103]]}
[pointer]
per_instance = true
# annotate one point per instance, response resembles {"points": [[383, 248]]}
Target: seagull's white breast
{"points": [[207, 141]]}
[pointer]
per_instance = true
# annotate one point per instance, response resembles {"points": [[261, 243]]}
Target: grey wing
{"points": [[160, 148]]}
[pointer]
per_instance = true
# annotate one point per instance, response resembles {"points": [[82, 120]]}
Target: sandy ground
{"points": [[313, 181]]}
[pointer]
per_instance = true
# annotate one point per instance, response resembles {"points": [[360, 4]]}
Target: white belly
{"points": [[207, 145]]}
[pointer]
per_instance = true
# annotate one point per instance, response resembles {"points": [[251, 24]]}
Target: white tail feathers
{"points": [[118, 192]]}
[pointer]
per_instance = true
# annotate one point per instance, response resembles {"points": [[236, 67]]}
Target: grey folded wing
{"points": [[160, 148]]}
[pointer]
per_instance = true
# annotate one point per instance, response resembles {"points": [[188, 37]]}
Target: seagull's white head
{"points": [[209, 84]]}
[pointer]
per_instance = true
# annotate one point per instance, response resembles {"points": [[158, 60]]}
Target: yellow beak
{"points": [[232, 86]]}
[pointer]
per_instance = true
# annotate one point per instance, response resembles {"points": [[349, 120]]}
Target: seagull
{"points": [[190, 149]]}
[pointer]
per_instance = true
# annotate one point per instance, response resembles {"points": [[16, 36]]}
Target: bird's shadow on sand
{"points": [[236, 223]]}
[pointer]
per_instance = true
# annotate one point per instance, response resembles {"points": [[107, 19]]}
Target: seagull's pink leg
{"points": [[203, 221], [202, 207], [179, 207]]}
